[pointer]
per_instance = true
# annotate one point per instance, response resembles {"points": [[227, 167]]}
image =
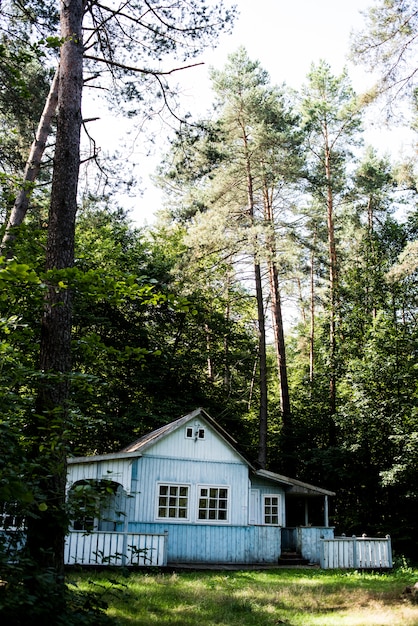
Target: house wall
{"points": [[149, 471], [259, 489], [117, 470], [193, 543], [194, 540], [211, 448]]}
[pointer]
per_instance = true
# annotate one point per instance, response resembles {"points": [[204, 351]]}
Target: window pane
{"points": [[173, 501], [271, 510], [216, 506]]}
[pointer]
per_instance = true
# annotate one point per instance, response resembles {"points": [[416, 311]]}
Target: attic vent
{"points": [[195, 432]]}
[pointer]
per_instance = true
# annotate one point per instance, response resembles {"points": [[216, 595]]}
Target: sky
{"points": [[286, 36]]}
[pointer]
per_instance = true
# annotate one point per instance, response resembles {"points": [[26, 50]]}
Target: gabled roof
{"points": [[138, 447], [144, 442]]}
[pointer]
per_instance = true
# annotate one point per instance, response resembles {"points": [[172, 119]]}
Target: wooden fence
{"points": [[115, 548], [356, 553]]}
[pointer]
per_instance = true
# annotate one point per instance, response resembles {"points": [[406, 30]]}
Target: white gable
{"points": [[196, 440]]}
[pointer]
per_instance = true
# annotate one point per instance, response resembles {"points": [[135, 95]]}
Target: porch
{"points": [[356, 553], [305, 541]]}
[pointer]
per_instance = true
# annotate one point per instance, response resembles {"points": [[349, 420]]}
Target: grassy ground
{"points": [[297, 597]]}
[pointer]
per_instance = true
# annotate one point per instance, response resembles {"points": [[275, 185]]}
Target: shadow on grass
{"points": [[248, 598]]}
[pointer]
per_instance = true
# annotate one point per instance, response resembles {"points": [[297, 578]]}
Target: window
{"points": [[195, 433], [271, 510], [10, 517], [213, 504], [173, 501]]}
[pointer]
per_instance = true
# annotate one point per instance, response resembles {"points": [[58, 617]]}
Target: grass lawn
{"points": [[293, 597]]}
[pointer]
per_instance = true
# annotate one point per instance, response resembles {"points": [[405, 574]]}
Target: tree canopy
{"points": [[277, 287]]}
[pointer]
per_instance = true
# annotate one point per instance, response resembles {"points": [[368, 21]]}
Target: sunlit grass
{"points": [[254, 598]]}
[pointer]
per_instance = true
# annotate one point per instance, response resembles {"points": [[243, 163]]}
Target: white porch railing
{"points": [[356, 553], [115, 548]]}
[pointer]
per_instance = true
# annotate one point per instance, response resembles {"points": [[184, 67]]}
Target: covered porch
{"points": [[306, 517]]}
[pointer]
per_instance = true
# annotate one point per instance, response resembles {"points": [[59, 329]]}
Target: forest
{"points": [[277, 288]]}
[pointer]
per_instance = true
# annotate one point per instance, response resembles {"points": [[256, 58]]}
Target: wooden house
{"points": [[185, 494]]}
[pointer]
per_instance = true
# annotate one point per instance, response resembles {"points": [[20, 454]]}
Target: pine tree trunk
{"points": [[312, 312], [33, 165], [276, 309], [333, 281], [262, 352], [312, 322], [46, 531]]}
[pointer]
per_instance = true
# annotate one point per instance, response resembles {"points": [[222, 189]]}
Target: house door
{"points": [[289, 540], [254, 515]]}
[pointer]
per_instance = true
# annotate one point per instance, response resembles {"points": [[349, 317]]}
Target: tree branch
{"points": [[139, 70]]}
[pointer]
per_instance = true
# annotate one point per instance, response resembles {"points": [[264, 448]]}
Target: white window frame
{"points": [[217, 498], [270, 514], [174, 486], [195, 432], [10, 520]]}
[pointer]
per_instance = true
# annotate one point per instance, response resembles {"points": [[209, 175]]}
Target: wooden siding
{"points": [[211, 448], [193, 543], [117, 470], [113, 548], [309, 541], [259, 489], [150, 471], [356, 553]]}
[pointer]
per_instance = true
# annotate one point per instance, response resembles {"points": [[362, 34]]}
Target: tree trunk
{"points": [[263, 412], [33, 165], [333, 280], [280, 344], [46, 531], [312, 312], [276, 308], [262, 352]]}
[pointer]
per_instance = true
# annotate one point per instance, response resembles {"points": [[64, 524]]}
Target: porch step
{"points": [[290, 559]]}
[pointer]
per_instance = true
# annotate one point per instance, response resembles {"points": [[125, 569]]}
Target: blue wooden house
{"points": [[185, 494]]}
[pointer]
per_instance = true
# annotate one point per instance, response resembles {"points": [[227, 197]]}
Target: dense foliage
{"points": [[273, 208]]}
